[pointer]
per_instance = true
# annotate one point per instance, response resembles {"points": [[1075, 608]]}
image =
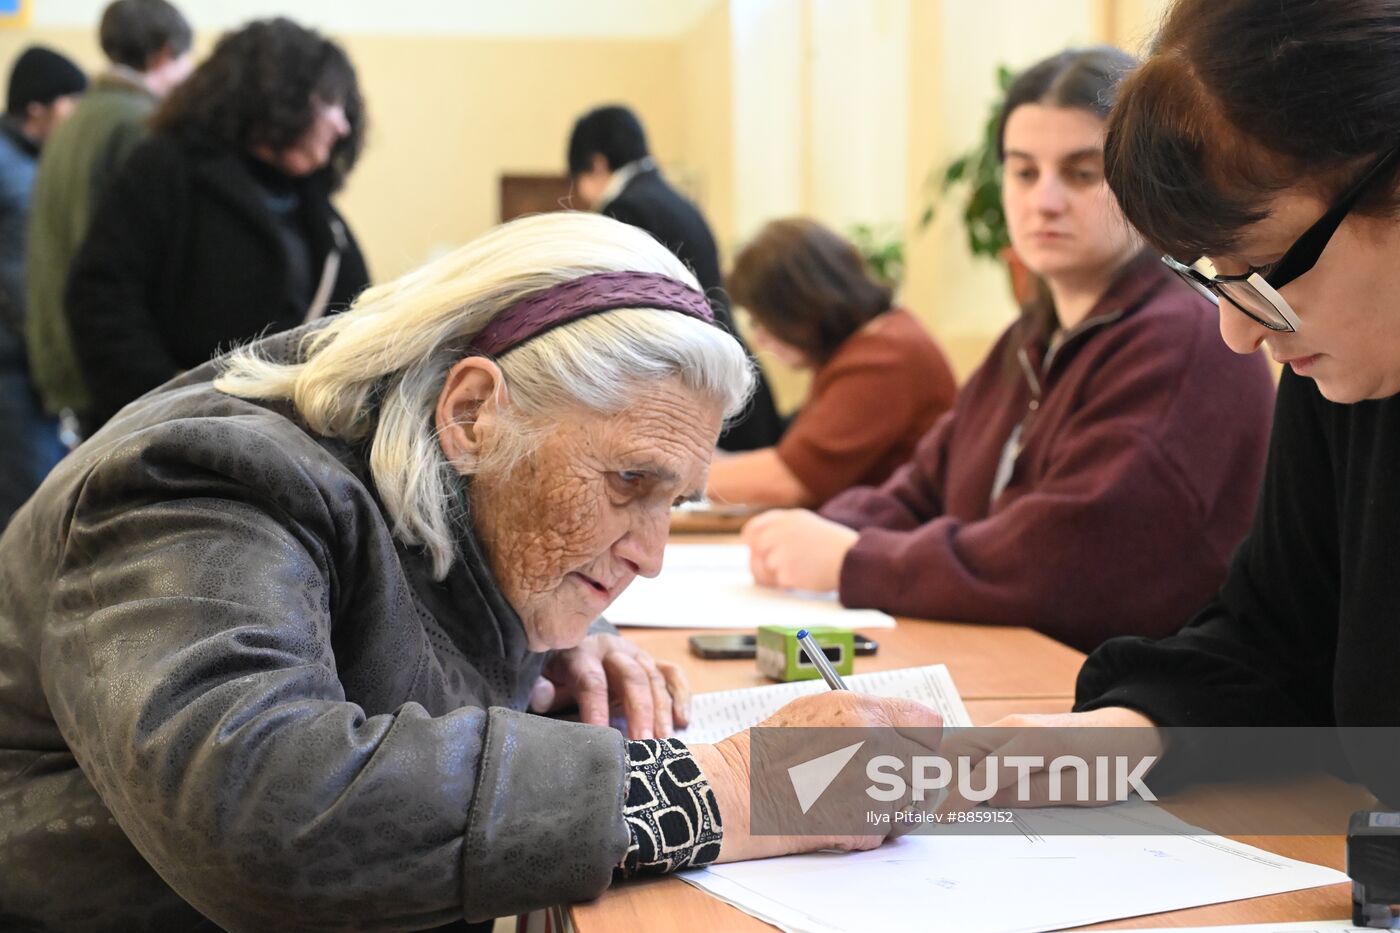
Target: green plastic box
{"points": [[779, 656]]}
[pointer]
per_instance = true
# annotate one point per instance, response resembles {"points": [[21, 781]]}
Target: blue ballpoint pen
{"points": [[818, 657]]}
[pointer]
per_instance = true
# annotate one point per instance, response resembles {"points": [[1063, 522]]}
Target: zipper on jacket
{"points": [[1015, 443], [330, 271]]}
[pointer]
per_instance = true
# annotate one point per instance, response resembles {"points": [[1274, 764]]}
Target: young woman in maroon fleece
{"points": [[1100, 466], [1260, 154]]}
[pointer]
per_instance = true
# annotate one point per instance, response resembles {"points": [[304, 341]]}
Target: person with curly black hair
{"points": [[220, 226]]}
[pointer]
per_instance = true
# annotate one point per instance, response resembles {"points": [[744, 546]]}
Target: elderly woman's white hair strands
{"points": [[393, 349]]}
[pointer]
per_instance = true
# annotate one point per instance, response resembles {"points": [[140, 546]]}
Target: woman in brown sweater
{"points": [[879, 379]]}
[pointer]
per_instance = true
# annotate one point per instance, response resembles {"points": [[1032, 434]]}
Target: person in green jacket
{"points": [[147, 43]]}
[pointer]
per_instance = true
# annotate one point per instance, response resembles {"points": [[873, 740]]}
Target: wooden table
{"points": [[726, 520], [668, 903], [987, 662], [998, 671]]}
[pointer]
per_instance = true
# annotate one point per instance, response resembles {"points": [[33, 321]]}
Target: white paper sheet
{"points": [[1306, 926], [1010, 884], [709, 586], [716, 715]]}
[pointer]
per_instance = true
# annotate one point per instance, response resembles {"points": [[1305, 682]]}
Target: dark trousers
{"points": [[29, 444]]}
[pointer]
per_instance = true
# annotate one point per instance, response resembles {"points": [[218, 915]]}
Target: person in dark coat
{"points": [[43, 89], [220, 227], [614, 174], [147, 44]]}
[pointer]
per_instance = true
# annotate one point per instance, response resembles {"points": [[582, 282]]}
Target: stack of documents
{"points": [[1045, 878], [709, 586]]}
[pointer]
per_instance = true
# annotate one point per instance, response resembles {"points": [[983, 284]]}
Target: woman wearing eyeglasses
{"points": [[1258, 152], [1098, 469]]}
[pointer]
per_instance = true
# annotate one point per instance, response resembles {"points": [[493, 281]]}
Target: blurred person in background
{"points": [[879, 383], [614, 173], [147, 44], [1100, 466], [220, 227], [43, 89]]}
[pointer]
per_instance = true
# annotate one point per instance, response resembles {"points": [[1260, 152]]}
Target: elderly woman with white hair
{"points": [[270, 640]]}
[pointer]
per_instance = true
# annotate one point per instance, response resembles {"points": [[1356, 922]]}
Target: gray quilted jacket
{"points": [[229, 697]]}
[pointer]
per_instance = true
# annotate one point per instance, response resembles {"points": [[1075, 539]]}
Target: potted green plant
{"points": [[977, 173], [883, 251]]}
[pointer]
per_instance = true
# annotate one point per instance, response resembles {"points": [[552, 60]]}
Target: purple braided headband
{"points": [[580, 297]]}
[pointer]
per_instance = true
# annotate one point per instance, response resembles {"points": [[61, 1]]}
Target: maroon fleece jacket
{"points": [[1141, 447]]}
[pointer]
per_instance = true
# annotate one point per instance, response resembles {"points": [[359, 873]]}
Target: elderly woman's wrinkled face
{"points": [[568, 529]]}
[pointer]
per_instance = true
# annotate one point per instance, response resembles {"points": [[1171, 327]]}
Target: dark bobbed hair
{"points": [[1084, 79], [133, 30], [614, 132], [259, 88], [1240, 100], [1081, 79], [806, 285]]}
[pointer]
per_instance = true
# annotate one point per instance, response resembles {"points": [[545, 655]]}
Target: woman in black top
{"points": [[219, 227], [1258, 151]]}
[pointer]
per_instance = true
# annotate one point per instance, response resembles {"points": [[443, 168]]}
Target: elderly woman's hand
{"points": [[608, 672], [726, 765], [797, 549]]}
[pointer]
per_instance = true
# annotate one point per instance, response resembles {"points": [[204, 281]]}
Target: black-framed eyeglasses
{"points": [[1256, 294]]}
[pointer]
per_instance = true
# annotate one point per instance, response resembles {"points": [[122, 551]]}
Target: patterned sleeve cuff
{"points": [[670, 810]]}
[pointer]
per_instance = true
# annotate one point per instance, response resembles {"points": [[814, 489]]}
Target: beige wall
{"points": [[758, 109], [1133, 22], [78, 44], [820, 108], [769, 97], [858, 111], [449, 115], [704, 163], [924, 251]]}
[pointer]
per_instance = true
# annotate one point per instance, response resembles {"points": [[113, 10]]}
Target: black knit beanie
{"points": [[39, 76]]}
